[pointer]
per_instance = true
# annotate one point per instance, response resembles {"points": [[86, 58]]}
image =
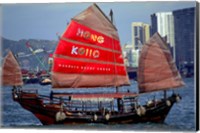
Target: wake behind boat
{"points": [[89, 56]]}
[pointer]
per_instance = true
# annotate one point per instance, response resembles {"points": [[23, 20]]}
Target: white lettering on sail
{"points": [[85, 52], [79, 32], [74, 50], [89, 36]]}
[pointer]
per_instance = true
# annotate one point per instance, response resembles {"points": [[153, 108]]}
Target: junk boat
{"points": [[88, 56]]}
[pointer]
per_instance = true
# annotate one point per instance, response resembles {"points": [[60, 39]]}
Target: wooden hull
{"points": [[49, 113]]}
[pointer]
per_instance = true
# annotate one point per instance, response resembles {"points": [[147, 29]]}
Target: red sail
{"points": [[89, 53], [11, 72], [157, 70]]}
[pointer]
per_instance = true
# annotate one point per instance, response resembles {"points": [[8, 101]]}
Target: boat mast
{"points": [[111, 19], [117, 88], [111, 15]]}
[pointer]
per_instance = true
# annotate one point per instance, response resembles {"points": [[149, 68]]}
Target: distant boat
{"points": [[29, 77], [89, 56], [45, 79]]}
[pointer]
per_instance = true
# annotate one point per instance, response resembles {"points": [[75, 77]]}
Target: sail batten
{"points": [[157, 69], [86, 81], [74, 66], [86, 60], [11, 74], [75, 50], [89, 53], [87, 44], [86, 34]]}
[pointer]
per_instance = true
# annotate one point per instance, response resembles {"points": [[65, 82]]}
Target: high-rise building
{"points": [[131, 56], [140, 34], [163, 23], [184, 23], [178, 29]]}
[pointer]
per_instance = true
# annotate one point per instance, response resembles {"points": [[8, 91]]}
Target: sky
{"points": [[43, 21]]}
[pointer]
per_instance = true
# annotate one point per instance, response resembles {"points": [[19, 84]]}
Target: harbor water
{"points": [[182, 116]]}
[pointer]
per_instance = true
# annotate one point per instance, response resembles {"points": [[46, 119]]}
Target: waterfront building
{"points": [[184, 23], [140, 34], [163, 23], [178, 29], [131, 56]]}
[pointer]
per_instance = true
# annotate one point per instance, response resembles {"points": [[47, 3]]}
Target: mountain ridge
{"points": [[23, 54]]}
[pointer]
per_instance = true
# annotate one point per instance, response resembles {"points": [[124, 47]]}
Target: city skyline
{"points": [[43, 21], [140, 34]]}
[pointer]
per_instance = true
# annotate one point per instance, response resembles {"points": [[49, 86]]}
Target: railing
{"points": [[126, 104]]}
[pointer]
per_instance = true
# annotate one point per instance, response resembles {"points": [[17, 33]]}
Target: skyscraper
{"points": [[131, 55], [178, 28], [163, 23], [140, 34], [184, 23]]}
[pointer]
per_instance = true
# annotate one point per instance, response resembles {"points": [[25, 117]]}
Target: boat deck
{"points": [[95, 95]]}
